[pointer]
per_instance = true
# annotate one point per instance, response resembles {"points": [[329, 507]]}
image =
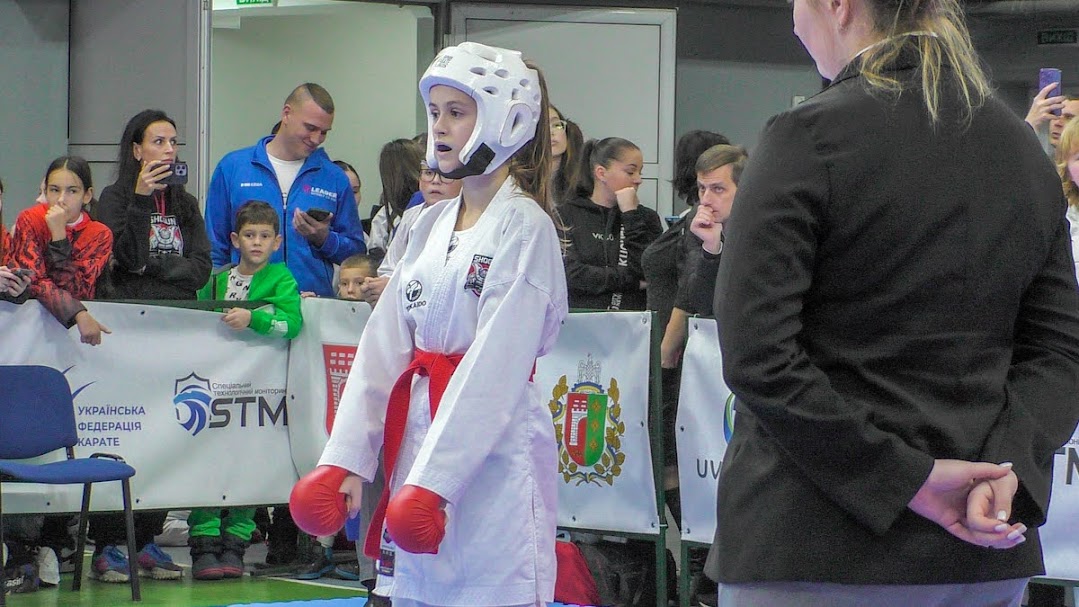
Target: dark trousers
{"points": [[110, 529]]}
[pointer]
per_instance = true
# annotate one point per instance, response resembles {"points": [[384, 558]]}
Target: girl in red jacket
{"points": [[66, 250]]}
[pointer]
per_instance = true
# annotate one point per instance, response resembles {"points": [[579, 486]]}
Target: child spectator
{"points": [[217, 546], [354, 271], [12, 285], [65, 249]]}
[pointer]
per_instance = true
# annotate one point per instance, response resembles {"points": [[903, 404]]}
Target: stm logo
{"points": [[203, 404], [192, 402]]}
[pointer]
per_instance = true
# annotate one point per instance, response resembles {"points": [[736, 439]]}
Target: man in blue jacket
{"points": [[313, 196]]}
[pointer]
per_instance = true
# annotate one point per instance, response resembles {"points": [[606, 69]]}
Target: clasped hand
{"points": [[972, 501]]}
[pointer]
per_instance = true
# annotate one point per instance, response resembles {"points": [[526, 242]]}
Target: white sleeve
{"points": [[521, 310], [385, 350]]}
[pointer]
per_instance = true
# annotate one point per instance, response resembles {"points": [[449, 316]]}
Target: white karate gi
{"points": [[490, 451]]}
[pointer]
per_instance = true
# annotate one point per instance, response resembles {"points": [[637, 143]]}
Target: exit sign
{"points": [[253, 2], [1058, 37]]}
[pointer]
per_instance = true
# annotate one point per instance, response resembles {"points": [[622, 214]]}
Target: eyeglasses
{"points": [[558, 125], [428, 175]]}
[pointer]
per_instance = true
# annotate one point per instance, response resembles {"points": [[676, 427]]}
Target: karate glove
{"points": [[416, 520], [317, 505]]}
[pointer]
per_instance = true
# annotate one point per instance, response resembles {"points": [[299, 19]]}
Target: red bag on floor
{"points": [[574, 584]]}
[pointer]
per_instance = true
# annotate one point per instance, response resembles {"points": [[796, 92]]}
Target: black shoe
{"points": [[205, 564], [348, 571], [232, 555], [21, 579], [318, 567]]}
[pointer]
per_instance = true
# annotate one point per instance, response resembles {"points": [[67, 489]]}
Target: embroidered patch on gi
{"points": [[385, 562], [413, 290], [477, 273]]}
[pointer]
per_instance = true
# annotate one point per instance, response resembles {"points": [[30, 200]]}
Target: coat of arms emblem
{"points": [[588, 427]]}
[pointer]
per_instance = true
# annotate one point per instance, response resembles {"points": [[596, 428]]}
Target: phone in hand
{"points": [[22, 272], [318, 214], [1047, 76], [179, 173]]}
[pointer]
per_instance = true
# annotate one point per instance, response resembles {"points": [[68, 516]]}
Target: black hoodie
{"points": [[178, 267], [603, 253]]}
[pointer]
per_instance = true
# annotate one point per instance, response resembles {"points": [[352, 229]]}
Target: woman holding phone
{"points": [[160, 251], [160, 248]]}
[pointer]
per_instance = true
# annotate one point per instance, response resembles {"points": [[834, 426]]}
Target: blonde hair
{"points": [[1067, 148], [946, 41]]}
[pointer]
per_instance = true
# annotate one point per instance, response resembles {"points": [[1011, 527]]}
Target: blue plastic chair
{"points": [[37, 416]]}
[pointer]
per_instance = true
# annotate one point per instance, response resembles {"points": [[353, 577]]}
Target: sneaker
{"points": [[155, 563], [320, 566], [20, 580], [348, 571], [232, 555], [48, 566], [110, 566]]}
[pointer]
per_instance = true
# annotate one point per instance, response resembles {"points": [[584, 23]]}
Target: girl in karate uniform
{"points": [[445, 386]]}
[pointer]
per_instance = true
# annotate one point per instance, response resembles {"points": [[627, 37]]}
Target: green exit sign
{"points": [[253, 2], [1058, 37]]}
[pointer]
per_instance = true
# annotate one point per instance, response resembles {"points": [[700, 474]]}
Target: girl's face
{"points": [[453, 119], [558, 135], [158, 143], [622, 172], [435, 187], [1073, 167], [354, 183], [65, 190]]}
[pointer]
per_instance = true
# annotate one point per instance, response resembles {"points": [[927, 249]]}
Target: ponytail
{"points": [[945, 42]]}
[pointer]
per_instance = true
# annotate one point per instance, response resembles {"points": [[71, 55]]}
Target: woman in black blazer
{"points": [[898, 315]]}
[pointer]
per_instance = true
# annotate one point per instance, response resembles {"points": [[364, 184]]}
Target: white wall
{"points": [[33, 96], [737, 99], [364, 54]]}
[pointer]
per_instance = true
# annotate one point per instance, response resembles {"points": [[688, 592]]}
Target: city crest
{"points": [[588, 427]]}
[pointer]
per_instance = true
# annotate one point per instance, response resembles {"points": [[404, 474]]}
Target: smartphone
{"points": [[1047, 76], [318, 214], [22, 272], [179, 174]]}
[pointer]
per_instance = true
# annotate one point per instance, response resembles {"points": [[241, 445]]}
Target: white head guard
{"points": [[508, 102]]}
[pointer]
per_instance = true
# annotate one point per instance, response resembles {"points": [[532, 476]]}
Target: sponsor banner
{"points": [[319, 361], [1060, 535], [703, 401], [597, 379], [198, 409]]}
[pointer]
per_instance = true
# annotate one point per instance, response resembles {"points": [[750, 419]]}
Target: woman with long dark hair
{"points": [[160, 247]]}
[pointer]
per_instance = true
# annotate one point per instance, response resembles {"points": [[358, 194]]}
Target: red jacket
{"points": [[64, 271]]}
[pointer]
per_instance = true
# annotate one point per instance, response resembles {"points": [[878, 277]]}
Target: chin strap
{"points": [[476, 165]]}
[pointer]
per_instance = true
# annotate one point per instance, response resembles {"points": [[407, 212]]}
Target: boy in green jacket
{"points": [[217, 547]]}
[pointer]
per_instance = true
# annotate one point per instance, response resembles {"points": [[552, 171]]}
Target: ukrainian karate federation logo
{"points": [[588, 428], [192, 402], [338, 360]]}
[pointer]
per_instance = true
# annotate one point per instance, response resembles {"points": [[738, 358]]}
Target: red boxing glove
{"points": [[316, 502], [416, 520]]}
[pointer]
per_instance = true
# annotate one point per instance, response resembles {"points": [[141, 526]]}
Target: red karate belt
{"points": [[438, 367]]}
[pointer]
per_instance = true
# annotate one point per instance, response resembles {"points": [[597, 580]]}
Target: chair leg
{"points": [[132, 556], [3, 561], [80, 543]]}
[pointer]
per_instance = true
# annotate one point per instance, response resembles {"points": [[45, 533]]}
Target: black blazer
{"points": [[891, 292]]}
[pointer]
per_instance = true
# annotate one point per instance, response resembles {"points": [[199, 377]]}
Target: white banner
{"points": [[703, 401], [1060, 535], [319, 361], [197, 408], [597, 378]]}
